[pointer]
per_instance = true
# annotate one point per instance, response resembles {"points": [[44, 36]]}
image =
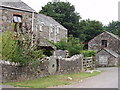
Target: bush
{"points": [[7, 44], [18, 49], [89, 53], [71, 44]]}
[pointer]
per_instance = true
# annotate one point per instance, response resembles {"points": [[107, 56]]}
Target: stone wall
{"points": [[112, 42], [111, 60], [70, 65], [20, 73], [49, 66], [7, 19]]}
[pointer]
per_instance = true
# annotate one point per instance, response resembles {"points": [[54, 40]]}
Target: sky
{"points": [[104, 11]]}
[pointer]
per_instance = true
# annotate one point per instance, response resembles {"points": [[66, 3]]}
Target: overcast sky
{"points": [[102, 10]]}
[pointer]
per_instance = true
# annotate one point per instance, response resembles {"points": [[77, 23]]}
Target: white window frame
{"points": [[51, 28], [41, 27], [17, 19], [58, 30]]}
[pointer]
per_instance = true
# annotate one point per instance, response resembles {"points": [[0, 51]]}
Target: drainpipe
{"points": [[32, 27], [32, 21]]}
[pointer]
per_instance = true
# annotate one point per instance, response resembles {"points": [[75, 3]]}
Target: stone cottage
{"points": [[18, 16], [107, 46], [50, 29]]}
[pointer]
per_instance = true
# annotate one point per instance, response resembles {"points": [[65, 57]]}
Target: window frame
{"points": [[42, 26], [17, 18], [104, 43]]}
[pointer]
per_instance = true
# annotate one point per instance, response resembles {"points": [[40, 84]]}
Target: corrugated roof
{"points": [[49, 21], [16, 4]]}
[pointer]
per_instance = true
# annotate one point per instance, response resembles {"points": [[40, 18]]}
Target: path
{"points": [[107, 79]]}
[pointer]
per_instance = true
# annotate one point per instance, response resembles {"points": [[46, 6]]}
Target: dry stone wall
{"points": [[48, 66]]}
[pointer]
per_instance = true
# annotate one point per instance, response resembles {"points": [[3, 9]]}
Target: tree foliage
{"points": [[71, 44], [64, 13], [89, 53], [89, 29], [113, 27]]}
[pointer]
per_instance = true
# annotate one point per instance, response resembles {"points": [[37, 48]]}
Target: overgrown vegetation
{"points": [[71, 44], [53, 80], [89, 53], [18, 48]]}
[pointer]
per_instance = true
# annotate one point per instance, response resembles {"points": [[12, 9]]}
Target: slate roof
{"points": [[115, 36], [49, 21], [43, 42], [111, 34], [16, 4], [110, 52]]}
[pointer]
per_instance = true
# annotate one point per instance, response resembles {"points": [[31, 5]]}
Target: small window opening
{"points": [[104, 43], [17, 19]]}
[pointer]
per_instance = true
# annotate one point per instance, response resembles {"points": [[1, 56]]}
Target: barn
{"points": [[106, 57], [107, 46]]}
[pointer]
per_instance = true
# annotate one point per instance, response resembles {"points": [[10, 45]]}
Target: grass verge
{"points": [[51, 81]]}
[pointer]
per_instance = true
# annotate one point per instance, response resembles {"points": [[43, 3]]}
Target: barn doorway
{"points": [[103, 59]]}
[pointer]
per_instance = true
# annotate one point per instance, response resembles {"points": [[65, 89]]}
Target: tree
{"points": [[72, 44], [89, 29], [64, 13], [113, 27]]}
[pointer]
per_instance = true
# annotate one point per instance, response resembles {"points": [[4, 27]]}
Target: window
{"points": [[42, 26], [52, 29], [58, 30], [17, 19], [104, 43]]}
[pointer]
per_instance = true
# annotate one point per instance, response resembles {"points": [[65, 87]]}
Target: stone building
{"points": [[107, 46], [50, 29], [18, 16]]}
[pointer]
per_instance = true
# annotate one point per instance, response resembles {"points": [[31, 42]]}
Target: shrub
{"points": [[71, 44], [89, 53], [18, 49], [7, 44]]}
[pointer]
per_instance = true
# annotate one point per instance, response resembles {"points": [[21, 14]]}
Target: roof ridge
{"points": [[111, 52], [51, 20], [16, 4], [113, 35]]}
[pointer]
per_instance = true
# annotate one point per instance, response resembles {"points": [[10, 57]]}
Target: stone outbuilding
{"points": [[107, 46], [106, 57]]}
